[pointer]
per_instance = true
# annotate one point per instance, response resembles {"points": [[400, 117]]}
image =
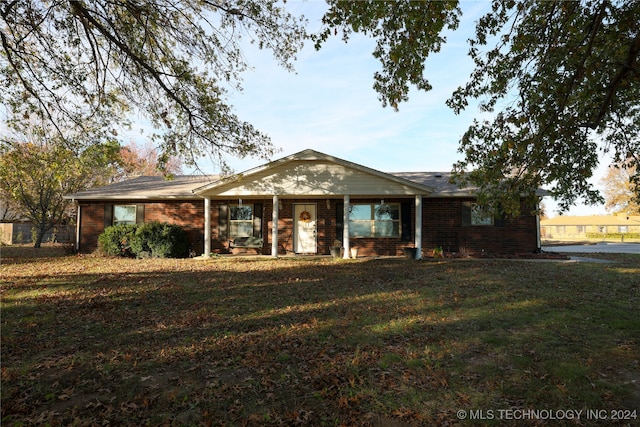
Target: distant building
{"points": [[585, 227]]}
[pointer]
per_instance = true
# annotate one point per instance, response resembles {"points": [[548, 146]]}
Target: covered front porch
{"points": [[309, 202], [313, 226]]}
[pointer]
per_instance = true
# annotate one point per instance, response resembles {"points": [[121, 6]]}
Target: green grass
{"points": [[89, 340]]}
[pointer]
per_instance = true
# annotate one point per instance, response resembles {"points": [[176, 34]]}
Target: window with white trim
{"points": [[124, 214], [241, 220], [371, 220]]}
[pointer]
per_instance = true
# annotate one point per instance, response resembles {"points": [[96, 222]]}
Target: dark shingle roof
{"points": [[185, 187], [439, 181], [182, 186], [148, 187]]}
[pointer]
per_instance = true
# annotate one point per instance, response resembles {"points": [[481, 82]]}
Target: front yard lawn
{"points": [[388, 342]]}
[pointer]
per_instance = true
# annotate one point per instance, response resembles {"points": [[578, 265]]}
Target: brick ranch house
{"points": [[302, 204]]}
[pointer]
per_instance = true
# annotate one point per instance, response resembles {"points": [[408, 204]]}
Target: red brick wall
{"points": [[387, 246], [91, 226], [326, 228], [285, 225], [441, 220], [188, 214]]}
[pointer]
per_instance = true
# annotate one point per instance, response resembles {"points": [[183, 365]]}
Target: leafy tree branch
{"points": [[94, 62]]}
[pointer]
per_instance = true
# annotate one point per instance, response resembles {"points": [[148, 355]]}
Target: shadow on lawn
{"points": [[299, 342]]}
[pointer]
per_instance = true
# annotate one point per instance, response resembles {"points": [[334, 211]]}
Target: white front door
{"points": [[305, 230]]}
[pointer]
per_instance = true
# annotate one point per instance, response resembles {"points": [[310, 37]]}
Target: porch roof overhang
{"points": [[312, 174]]}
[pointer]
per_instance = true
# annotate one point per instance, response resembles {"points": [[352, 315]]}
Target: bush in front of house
{"points": [[160, 240], [116, 240], [153, 239]]}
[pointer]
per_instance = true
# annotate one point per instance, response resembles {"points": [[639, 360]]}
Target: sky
{"points": [[328, 104]]}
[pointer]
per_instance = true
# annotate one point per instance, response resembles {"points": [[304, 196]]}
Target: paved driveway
{"points": [[611, 248]]}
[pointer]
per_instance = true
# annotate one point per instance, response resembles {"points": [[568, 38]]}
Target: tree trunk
{"points": [[41, 231]]}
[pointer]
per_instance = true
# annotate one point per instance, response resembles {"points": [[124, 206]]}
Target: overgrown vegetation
{"points": [[230, 341], [149, 240]]}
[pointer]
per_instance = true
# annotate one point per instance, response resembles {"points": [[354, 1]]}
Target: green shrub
{"points": [[153, 239], [116, 240], [160, 240]]}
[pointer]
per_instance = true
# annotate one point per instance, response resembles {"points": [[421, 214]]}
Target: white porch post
{"points": [[274, 227], [345, 228], [207, 227], [79, 229], [418, 241], [538, 242]]}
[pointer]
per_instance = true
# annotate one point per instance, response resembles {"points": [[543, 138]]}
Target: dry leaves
{"points": [[96, 341]]}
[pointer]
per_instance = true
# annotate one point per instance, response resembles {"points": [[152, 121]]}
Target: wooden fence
{"points": [[20, 233]]}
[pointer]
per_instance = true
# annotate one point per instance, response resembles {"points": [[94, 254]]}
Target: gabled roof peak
{"points": [[270, 177]]}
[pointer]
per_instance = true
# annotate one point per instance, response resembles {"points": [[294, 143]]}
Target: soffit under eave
{"points": [[307, 195]]}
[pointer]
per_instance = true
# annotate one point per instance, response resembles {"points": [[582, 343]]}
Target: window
{"points": [[479, 216], [374, 220], [580, 229], [475, 214], [241, 221], [623, 229], [124, 214], [560, 229]]}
